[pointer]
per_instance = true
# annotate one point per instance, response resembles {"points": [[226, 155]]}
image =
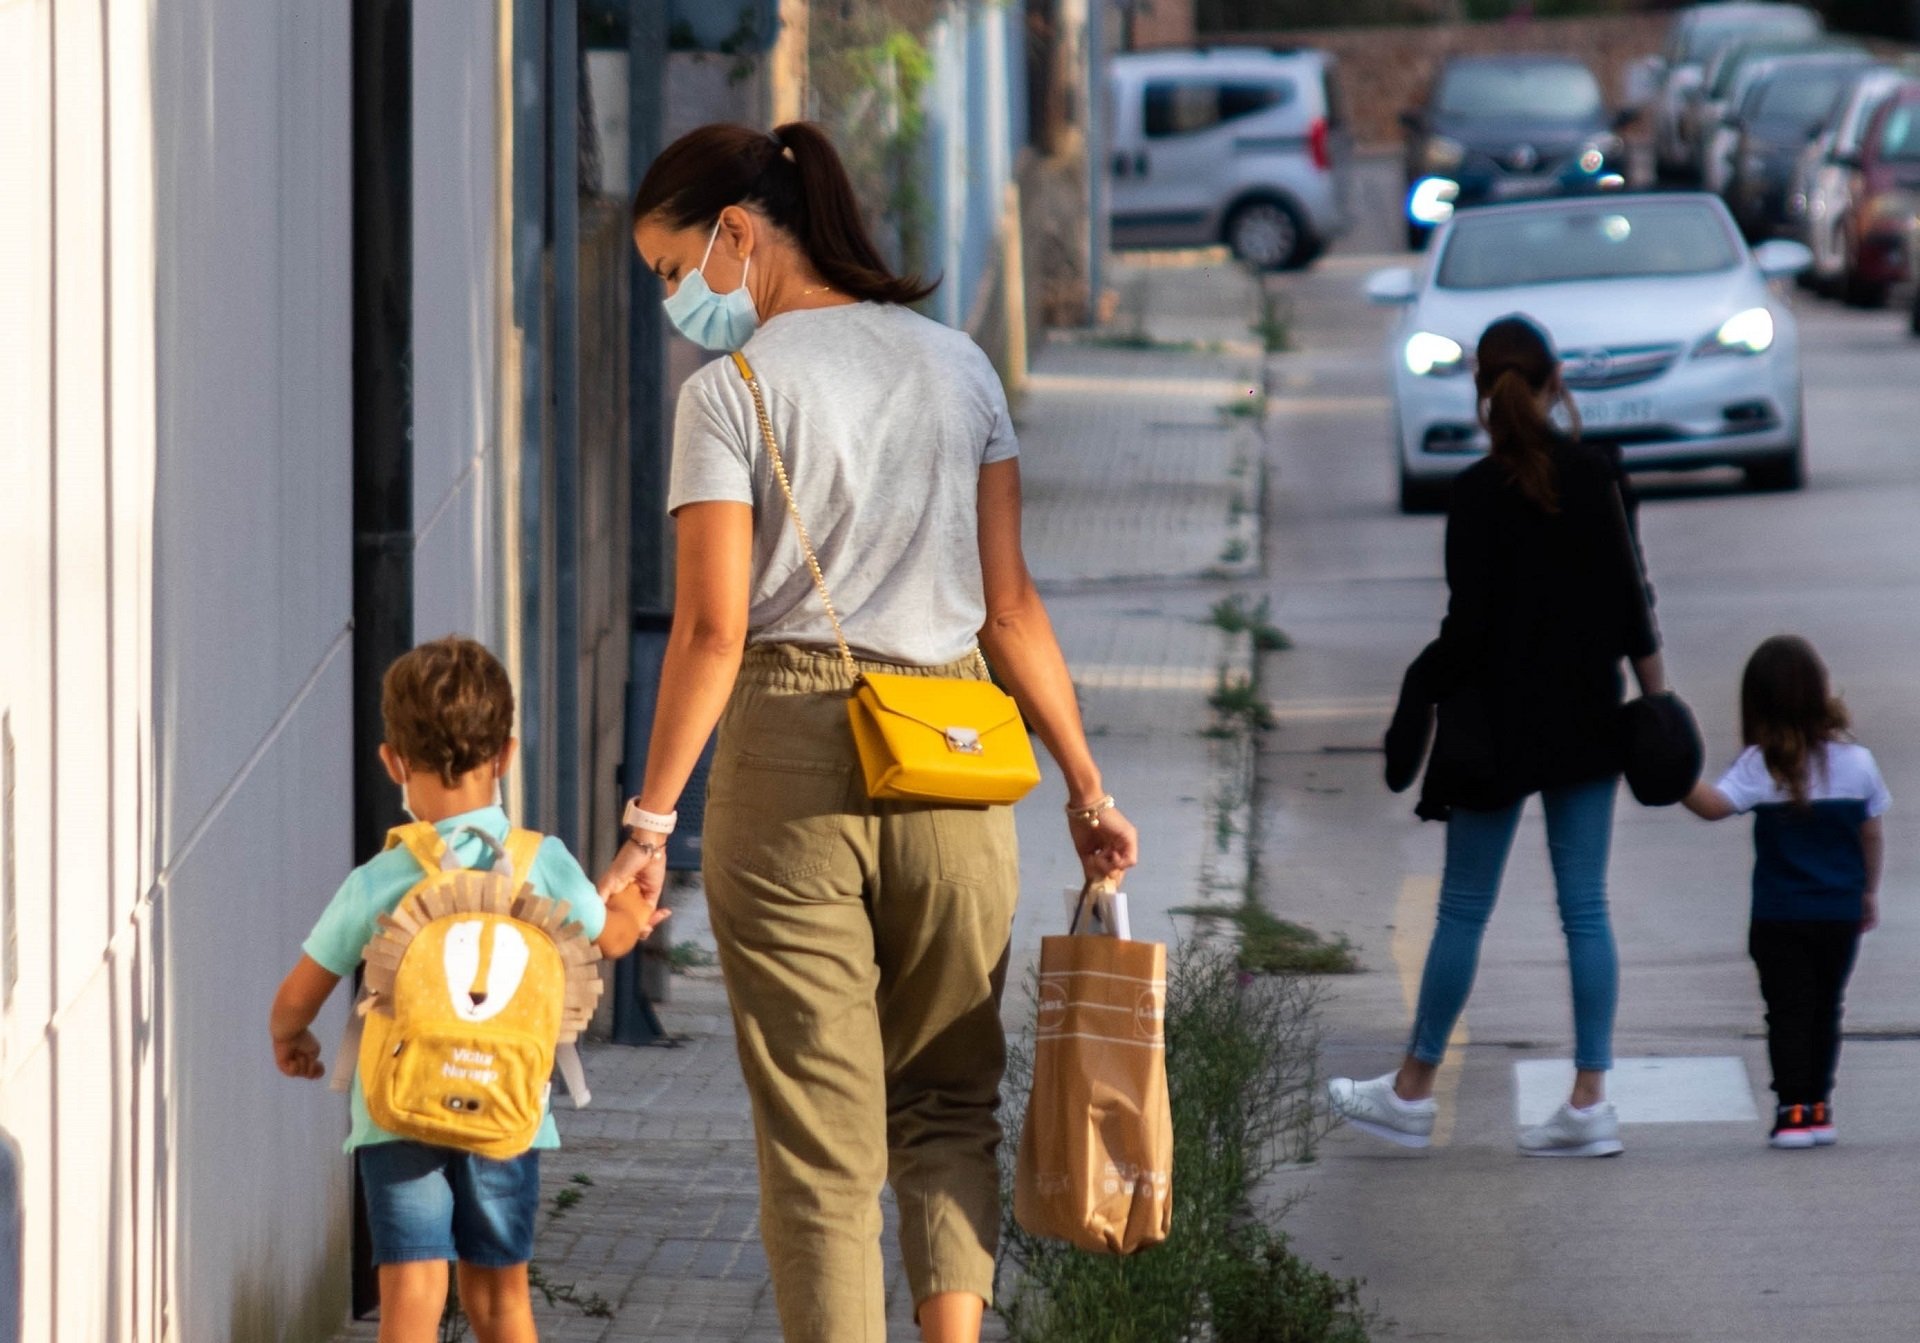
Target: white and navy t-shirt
{"points": [[1808, 861]]}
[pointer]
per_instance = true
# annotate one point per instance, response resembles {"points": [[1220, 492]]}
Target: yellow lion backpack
{"points": [[474, 984]]}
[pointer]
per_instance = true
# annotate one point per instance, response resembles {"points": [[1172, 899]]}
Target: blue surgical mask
{"points": [[713, 321]]}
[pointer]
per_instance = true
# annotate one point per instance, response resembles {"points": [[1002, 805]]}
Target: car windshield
{"points": [[1546, 92], [1798, 97], [1900, 135], [1617, 240], [1706, 38]]}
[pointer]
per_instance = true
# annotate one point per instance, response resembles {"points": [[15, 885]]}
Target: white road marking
{"points": [[1644, 1090]]}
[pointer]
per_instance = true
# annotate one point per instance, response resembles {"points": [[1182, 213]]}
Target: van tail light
{"points": [[1317, 144]]}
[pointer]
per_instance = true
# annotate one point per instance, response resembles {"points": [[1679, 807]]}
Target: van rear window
{"points": [[1186, 107]]}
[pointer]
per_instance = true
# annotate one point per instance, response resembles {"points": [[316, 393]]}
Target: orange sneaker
{"points": [[1824, 1133]]}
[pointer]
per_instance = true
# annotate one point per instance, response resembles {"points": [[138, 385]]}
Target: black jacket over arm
{"points": [[1543, 607]]}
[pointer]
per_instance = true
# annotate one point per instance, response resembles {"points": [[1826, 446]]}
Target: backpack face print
{"points": [[474, 983]]}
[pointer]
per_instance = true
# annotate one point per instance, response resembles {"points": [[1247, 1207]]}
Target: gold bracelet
{"points": [[1091, 815]]}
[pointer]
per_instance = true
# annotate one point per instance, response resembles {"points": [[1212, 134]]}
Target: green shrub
{"points": [[1242, 1075]]}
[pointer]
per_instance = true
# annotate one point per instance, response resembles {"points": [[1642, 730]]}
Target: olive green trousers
{"points": [[864, 946]]}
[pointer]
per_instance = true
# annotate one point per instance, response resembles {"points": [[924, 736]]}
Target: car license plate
{"points": [[1518, 188], [1615, 414]]}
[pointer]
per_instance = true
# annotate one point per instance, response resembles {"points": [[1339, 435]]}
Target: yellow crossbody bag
{"points": [[920, 738]]}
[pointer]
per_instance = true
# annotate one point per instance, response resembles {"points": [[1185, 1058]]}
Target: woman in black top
{"points": [[1547, 596]]}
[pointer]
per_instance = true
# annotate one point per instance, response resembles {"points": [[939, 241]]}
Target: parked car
{"points": [[1877, 235], [1730, 74], [1673, 341], [1782, 113], [1676, 75], [1498, 128], [1237, 145], [1821, 197]]}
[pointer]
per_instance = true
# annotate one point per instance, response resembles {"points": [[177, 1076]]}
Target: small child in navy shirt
{"points": [[1817, 798]]}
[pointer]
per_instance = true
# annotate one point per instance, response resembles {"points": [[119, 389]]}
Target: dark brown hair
{"points": [[794, 177], [447, 707], [1513, 366], [1788, 711]]}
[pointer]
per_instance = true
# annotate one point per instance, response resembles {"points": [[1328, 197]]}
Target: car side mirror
{"points": [[1782, 257], [1625, 117], [1392, 286], [1411, 120]]}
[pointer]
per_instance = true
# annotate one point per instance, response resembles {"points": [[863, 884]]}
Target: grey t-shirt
{"points": [[884, 418]]}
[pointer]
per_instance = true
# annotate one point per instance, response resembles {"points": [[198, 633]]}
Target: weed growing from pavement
{"points": [[1270, 945], [1242, 1075], [453, 1321], [1238, 698], [1252, 406], [1275, 327], [685, 956], [1235, 616]]}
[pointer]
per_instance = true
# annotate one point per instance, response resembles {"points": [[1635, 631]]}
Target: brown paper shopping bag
{"points": [[1095, 1165]]}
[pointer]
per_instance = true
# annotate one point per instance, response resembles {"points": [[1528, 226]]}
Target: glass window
{"points": [[1186, 108], [1558, 92], [1705, 37], [1618, 240], [1900, 134], [1798, 97]]}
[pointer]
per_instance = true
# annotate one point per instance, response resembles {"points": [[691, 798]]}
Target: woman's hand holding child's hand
{"points": [[645, 908], [299, 1056]]}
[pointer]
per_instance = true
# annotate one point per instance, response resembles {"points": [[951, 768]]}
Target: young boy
{"points": [[447, 708]]}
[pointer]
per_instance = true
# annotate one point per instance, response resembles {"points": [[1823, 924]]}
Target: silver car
{"points": [[1675, 76], [1236, 145], [1674, 342]]}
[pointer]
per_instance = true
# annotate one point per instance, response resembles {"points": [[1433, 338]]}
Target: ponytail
{"points": [[794, 177], [1515, 366], [1522, 438]]}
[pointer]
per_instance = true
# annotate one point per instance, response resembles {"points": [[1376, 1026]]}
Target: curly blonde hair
{"points": [[447, 707]]}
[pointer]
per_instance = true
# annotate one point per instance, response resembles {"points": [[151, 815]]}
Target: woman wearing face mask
{"points": [[864, 943], [1546, 597]]}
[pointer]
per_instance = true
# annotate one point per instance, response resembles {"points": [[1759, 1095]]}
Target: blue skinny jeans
{"points": [[1579, 830]]}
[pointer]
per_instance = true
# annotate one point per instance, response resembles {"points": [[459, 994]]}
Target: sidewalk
{"points": [[1142, 508]]}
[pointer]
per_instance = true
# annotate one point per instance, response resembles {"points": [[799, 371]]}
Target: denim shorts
{"points": [[437, 1203]]}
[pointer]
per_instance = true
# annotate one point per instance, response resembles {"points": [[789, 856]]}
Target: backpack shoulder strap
{"points": [[423, 841], [523, 847]]}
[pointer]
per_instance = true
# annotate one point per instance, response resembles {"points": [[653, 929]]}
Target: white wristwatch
{"points": [[638, 817]]}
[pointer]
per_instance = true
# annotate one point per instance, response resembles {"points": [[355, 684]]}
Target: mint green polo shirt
{"points": [[378, 885]]}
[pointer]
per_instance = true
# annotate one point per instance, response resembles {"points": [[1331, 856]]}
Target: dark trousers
{"points": [[1803, 966]]}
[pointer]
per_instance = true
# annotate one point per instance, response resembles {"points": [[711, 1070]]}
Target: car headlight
{"points": [[1431, 200], [1444, 155], [1433, 356], [1749, 332], [1596, 154]]}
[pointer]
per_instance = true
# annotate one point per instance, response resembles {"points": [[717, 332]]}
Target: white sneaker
{"points": [[1372, 1107], [1591, 1132]]}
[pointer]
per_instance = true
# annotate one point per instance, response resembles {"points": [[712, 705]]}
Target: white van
{"points": [[1238, 145]]}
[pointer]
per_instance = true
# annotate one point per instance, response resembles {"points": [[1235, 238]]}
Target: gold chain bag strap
{"points": [[920, 738]]}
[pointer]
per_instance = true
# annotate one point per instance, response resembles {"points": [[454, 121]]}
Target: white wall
{"points": [[176, 531], [77, 1050], [456, 315], [252, 654]]}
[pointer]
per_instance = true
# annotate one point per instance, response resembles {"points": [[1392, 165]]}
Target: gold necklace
{"points": [[816, 289]]}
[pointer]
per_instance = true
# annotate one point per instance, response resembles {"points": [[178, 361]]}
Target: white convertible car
{"points": [[1674, 341]]}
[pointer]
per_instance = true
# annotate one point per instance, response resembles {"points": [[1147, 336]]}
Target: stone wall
{"points": [[1383, 70]]}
